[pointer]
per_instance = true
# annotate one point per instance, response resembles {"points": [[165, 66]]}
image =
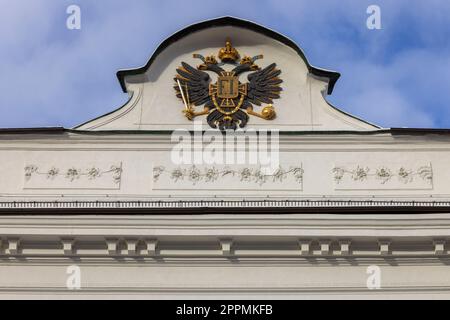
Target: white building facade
{"points": [[138, 204]]}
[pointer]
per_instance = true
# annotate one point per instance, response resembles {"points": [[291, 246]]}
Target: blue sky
{"points": [[395, 77]]}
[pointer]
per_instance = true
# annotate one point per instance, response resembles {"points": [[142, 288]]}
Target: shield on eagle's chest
{"points": [[227, 87]]}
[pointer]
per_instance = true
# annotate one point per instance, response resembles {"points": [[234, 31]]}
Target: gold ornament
{"points": [[268, 112], [228, 102], [228, 54]]}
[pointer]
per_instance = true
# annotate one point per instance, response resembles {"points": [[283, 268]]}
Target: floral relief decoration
{"points": [[212, 174], [384, 174], [73, 173]]}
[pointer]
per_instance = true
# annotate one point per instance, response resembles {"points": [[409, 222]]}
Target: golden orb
{"points": [[268, 112]]}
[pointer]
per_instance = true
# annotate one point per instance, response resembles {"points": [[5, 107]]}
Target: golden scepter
{"points": [[189, 111], [182, 95]]}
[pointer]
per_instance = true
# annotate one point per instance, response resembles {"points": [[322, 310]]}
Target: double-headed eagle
{"points": [[228, 102]]}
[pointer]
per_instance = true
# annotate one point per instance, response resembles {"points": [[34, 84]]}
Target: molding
{"points": [[332, 139], [215, 247], [237, 237], [127, 262], [112, 116], [183, 293], [407, 134], [225, 204]]}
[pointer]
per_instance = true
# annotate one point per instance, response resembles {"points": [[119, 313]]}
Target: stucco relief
{"points": [[213, 175], [76, 176], [383, 176]]}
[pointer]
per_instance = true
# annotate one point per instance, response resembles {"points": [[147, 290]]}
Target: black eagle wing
{"points": [[194, 83], [264, 85]]}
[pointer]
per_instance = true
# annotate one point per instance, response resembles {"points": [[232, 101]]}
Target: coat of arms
{"points": [[228, 102]]}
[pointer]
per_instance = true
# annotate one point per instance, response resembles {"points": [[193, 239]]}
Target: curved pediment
{"points": [[287, 94]]}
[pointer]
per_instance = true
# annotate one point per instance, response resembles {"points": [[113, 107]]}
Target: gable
{"points": [[301, 106]]}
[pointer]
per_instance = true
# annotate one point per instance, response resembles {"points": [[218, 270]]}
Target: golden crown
{"points": [[228, 54]]}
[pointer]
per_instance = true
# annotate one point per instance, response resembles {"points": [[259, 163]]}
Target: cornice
{"points": [[121, 142], [248, 205], [244, 293], [228, 237]]}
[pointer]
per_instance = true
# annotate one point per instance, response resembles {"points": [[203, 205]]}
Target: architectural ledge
{"points": [[226, 236], [247, 204], [239, 247]]}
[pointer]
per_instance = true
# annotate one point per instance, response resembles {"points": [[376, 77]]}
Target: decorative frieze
{"points": [[381, 177], [73, 177], [73, 173], [194, 175]]}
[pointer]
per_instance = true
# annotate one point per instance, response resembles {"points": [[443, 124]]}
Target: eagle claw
{"points": [[191, 114]]}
